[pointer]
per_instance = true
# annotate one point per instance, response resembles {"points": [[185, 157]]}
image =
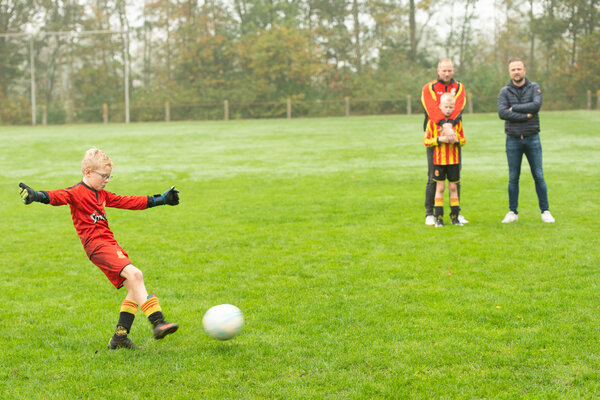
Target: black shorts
{"points": [[441, 172]]}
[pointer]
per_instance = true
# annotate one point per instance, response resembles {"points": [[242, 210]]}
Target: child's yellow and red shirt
{"points": [[444, 153], [87, 210]]}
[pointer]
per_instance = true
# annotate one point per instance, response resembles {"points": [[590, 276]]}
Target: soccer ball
{"points": [[223, 321]]}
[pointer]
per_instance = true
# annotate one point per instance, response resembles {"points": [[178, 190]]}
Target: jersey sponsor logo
{"points": [[95, 217]]}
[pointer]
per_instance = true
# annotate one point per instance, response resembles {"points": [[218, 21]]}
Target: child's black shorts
{"points": [[441, 172]]}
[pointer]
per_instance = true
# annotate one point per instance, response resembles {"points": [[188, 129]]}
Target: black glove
{"points": [[28, 195], [170, 197]]}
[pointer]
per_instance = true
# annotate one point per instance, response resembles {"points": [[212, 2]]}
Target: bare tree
{"points": [[412, 27], [357, 40], [532, 63]]}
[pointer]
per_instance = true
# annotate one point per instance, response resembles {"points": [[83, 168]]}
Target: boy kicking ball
{"points": [[88, 200], [446, 160]]}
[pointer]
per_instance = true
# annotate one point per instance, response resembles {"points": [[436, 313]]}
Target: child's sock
{"points": [[454, 207], [438, 207], [126, 317], [151, 308]]}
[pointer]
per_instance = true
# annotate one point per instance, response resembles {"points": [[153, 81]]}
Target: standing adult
{"points": [[519, 103], [430, 97]]}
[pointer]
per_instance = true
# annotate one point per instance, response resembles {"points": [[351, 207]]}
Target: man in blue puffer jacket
{"points": [[519, 103]]}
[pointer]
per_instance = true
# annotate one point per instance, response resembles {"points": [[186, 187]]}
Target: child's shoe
{"points": [[439, 222], [121, 342], [455, 220], [164, 328]]}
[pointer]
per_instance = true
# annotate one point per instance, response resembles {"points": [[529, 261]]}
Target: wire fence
{"points": [[56, 113]]}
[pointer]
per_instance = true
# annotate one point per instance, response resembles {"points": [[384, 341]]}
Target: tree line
{"points": [[192, 53]]}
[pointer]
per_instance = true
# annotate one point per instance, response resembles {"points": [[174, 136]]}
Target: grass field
{"points": [[315, 229]]}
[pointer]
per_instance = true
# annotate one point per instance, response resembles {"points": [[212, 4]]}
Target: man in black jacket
{"points": [[519, 103]]}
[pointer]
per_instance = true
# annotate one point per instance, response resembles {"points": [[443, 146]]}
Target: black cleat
{"points": [[455, 220], [164, 328], [122, 342], [439, 222]]}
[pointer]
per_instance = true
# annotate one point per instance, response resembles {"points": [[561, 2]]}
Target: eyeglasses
{"points": [[104, 176]]}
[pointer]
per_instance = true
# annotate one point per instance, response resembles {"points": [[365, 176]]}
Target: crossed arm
{"points": [[521, 111]]}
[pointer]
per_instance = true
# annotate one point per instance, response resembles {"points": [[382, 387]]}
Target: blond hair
{"points": [[447, 97], [95, 159]]}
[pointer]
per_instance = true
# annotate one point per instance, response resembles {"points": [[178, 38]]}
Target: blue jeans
{"points": [[532, 148]]}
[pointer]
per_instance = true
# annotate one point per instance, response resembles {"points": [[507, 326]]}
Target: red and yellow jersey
{"points": [[444, 153], [430, 98], [87, 210]]}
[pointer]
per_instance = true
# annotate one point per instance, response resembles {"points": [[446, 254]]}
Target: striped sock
{"points": [[126, 317], [438, 207], [152, 310], [454, 207]]}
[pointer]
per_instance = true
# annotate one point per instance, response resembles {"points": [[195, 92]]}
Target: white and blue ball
{"points": [[223, 321]]}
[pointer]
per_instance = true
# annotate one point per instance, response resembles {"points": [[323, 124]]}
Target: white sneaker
{"points": [[547, 217], [462, 219], [510, 217], [430, 220]]}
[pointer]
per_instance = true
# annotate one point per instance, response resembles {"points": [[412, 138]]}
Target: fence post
{"points": [[589, 99], [226, 110], [347, 106], [167, 111], [105, 113], [70, 111], [289, 108], [44, 115], [408, 104], [470, 101]]}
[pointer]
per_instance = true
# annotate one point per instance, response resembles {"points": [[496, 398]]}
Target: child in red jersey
{"points": [[446, 161], [87, 201]]}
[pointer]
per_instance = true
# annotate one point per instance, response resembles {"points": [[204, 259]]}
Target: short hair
{"points": [[516, 59], [95, 159], [447, 97], [445, 60]]}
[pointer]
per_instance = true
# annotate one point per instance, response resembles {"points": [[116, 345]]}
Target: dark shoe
{"points": [[164, 328], [456, 221], [439, 223], [122, 342]]}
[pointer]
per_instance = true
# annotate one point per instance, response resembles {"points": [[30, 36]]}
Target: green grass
{"points": [[314, 228]]}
